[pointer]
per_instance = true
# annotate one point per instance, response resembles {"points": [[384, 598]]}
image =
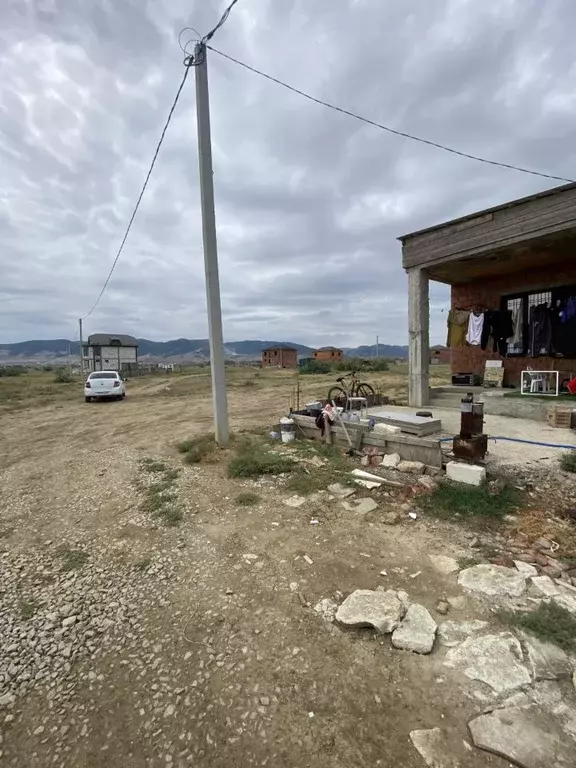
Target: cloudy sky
{"points": [[309, 202]]}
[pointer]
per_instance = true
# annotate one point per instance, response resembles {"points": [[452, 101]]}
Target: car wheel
{"points": [[123, 395], [88, 399]]}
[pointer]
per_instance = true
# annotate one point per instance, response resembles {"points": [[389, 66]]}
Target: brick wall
{"points": [[285, 358], [488, 294]]}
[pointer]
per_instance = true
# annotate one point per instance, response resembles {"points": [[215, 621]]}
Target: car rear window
{"points": [[104, 375]]}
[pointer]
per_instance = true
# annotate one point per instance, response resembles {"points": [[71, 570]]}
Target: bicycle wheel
{"points": [[339, 396], [365, 390]]}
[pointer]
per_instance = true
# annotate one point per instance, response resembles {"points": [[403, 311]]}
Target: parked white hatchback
{"points": [[101, 384]]}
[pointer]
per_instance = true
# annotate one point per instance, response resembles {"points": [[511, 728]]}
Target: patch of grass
{"points": [[247, 499], [27, 609], [469, 503], [197, 449], [253, 459], [469, 561], [549, 622], [144, 564], [72, 559], [568, 461], [160, 497], [152, 465], [62, 376]]}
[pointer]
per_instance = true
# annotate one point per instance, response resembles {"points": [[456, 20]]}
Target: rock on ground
{"points": [[431, 744], [444, 564], [450, 633], [342, 491], [546, 660], [417, 631], [493, 580], [295, 501], [527, 736], [525, 568], [543, 586], [365, 608], [412, 467], [327, 609], [362, 506], [391, 460], [567, 602], [491, 659]]}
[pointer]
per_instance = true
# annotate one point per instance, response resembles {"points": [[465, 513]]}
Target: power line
{"points": [[387, 128], [221, 23], [141, 195]]}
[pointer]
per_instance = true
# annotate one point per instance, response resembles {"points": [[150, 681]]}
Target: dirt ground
{"points": [[198, 644]]}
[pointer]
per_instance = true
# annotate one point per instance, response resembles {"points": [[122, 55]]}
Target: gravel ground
{"points": [[127, 643]]}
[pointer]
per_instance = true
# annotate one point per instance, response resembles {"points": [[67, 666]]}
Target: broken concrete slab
{"points": [[417, 631], [543, 586], [546, 660], [458, 602], [444, 564], [431, 744], [525, 568], [427, 482], [493, 580], [557, 699], [411, 467], [361, 506], [566, 601], [527, 736], [492, 659], [469, 474], [367, 608], [391, 460], [342, 491], [295, 501], [451, 633], [326, 608]]}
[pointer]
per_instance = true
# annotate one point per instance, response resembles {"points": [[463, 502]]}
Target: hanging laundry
{"points": [[475, 326], [540, 327], [457, 327], [564, 329], [497, 326], [517, 324]]}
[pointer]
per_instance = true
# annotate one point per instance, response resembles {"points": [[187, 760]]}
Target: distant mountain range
{"points": [[179, 350]]}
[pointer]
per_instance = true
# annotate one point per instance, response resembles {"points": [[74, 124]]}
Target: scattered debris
{"points": [[444, 564], [458, 602], [308, 559], [450, 633], [493, 580], [359, 473], [391, 460], [427, 482], [411, 467], [528, 736], [525, 568], [295, 501], [327, 608], [367, 608], [492, 659], [413, 515], [342, 491], [313, 522], [543, 586], [368, 484], [417, 631], [442, 607], [361, 506], [469, 474], [415, 575]]}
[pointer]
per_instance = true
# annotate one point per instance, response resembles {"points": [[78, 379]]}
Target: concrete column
{"points": [[418, 337]]}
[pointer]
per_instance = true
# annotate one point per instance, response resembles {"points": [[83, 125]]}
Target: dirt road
{"points": [[127, 644]]}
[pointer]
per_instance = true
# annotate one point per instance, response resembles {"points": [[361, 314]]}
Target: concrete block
{"points": [[471, 474]]}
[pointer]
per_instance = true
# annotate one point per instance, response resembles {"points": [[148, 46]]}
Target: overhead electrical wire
{"points": [[403, 134]]}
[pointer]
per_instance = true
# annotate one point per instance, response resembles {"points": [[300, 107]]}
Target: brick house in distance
{"points": [[104, 351], [514, 257], [328, 354], [440, 355], [280, 357]]}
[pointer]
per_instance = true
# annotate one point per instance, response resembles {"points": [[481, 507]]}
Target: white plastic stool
{"points": [[361, 401]]}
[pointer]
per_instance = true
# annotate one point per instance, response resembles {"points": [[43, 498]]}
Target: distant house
{"points": [[110, 352], [280, 357], [440, 355], [328, 354]]}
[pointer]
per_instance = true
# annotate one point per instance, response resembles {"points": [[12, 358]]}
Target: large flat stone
{"points": [[543, 586], [566, 601], [365, 608], [492, 659], [546, 660], [451, 633], [431, 744], [444, 564], [493, 580], [417, 631], [527, 736], [525, 568]]}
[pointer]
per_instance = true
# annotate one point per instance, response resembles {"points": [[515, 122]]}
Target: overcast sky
{"points": [[309, 202]]}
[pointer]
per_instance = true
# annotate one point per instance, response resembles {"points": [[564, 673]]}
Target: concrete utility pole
{"points": [[217, 362], [81, 345]]}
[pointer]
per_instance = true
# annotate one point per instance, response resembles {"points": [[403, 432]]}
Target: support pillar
{"points": [[418, 338]]}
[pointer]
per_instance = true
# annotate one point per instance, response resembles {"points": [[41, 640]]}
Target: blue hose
{"points": [[519, 440]]}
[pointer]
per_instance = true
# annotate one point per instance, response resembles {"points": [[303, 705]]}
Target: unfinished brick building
{"points": [[512, 257]]}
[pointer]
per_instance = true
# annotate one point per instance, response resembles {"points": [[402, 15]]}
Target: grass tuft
{"points": [[470, 503], [152, 465], [247, 499], [549, 622], [197, 449], [144, 564], [568, 461], [160, 497], [253, 460], [27, 609], [469, 562], [72, 559]]}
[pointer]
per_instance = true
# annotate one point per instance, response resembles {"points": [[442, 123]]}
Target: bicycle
{"points": [[355, 388]]}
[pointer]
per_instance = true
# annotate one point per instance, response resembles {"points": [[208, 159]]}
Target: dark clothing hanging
{"points": [[564, 328], [499, 327], [540, 325]]}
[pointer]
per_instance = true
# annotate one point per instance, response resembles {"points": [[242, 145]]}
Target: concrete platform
{"points": [[495, 403]]}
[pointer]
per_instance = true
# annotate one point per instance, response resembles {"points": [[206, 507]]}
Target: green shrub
{"points": [[568, 461], [62, 376], [253, 460], [197, 448]]}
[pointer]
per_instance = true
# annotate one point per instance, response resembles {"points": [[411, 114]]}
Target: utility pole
{"points": [[81, 346], [217, 362]]}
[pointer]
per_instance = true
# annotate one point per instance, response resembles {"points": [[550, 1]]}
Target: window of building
{"points": [[523, 304]]}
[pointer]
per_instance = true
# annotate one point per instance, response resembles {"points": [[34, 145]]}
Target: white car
{"points": [[102, 384]]}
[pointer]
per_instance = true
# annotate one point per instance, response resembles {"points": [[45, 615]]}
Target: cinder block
{"points": [[471, 474]]}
